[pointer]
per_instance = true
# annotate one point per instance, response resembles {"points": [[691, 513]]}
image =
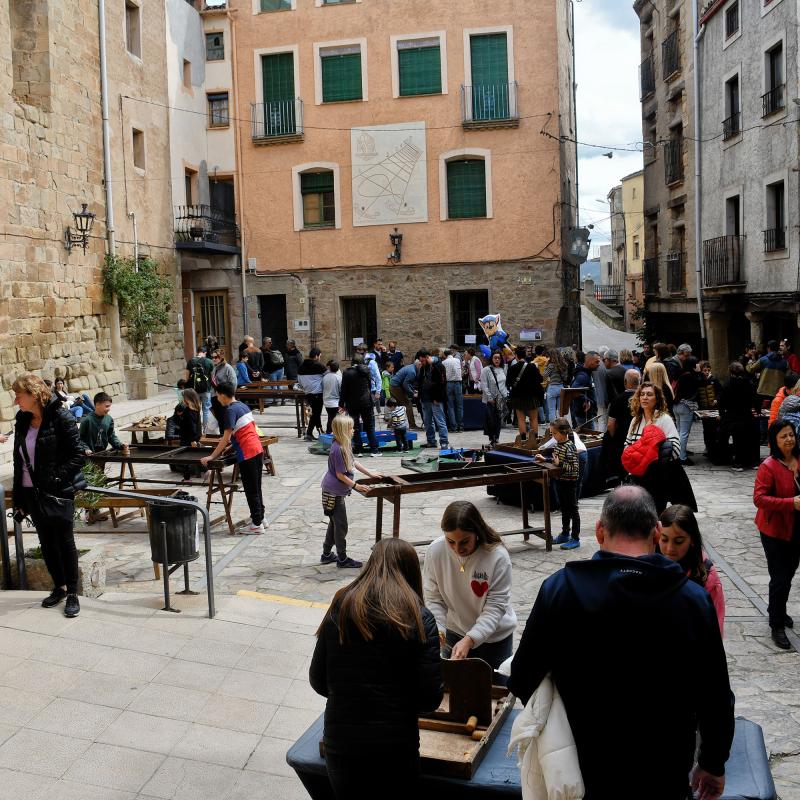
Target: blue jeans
{"points": [[433, 416], [684, 417], [205, 404], [552, 398], [455, 405], [363, 417]]}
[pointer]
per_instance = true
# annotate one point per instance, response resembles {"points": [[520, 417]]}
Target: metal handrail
{"points": [[489, 102], [276, 118]]}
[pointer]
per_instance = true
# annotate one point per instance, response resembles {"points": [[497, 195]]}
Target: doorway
{"points": [[272, 308], [359, 321]]}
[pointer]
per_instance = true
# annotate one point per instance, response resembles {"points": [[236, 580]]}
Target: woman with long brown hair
{"points": [[657, 374], [467, 579], [377, 661]]}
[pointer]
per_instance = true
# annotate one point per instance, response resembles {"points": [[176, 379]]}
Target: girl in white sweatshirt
{"points": [[467, 584]]}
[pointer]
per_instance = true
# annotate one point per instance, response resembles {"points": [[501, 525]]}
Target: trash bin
{"points": [[182, 531]]}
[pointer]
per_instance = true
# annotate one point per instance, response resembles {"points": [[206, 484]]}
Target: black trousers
{"points": [[365, 417], [315, 420], [400, 438], [337, 530], [331, 411], [250, 469], [783, 558], [570, 512], [390, 776], [57, 541]]}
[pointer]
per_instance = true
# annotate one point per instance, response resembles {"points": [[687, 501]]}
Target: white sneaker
{"points": [[253, 530], [376, 455]]}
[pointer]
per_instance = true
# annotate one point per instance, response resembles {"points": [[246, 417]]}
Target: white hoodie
{"points": [[475, 602]]}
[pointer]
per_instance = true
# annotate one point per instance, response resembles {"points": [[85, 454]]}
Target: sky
{"points": [[607, 59]]}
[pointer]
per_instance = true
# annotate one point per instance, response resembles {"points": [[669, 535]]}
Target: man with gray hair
{"points": [[615, 375], [633, 613], [682, 375]]}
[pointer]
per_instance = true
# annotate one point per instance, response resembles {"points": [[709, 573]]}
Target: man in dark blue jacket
{"points": [[584, 408], [635, 651]]}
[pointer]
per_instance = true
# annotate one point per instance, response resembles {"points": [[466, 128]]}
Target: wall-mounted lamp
{"points": [[397, 240], [83, 223]]}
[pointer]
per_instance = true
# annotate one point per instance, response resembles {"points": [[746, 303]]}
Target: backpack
{"points": [[198, 380], [275, 358]]}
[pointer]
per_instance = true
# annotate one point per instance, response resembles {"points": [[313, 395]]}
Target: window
{"points": [[466, 308], [276, 5], [133, 28], [218, 110], [189, 179], [278, 91], [732, 20], [419, 65], [732, 123], [187, 74], [222, 197], [773, 98], [636, 247], [138, 148], [215, 47], [213, 319], [489, 92], [341, 73], [319, 203], [775, 233], [466, 188], [359, 321], [732, 216]]}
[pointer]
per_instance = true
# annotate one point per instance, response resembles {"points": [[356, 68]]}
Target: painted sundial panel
{"points": [[390, 184]]}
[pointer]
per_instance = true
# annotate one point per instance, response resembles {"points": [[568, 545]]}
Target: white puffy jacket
{"points": [[548, 759]]}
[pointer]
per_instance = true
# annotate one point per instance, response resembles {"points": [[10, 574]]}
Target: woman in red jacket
{"points": [[777, 497]]}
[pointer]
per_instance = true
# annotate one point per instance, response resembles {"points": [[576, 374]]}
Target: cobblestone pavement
{"points": [[285, 561]]}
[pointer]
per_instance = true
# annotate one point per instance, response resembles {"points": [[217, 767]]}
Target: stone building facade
{"points": [[666, 32], [53, 320], [364, 119], [633, 211], [749, 188]]}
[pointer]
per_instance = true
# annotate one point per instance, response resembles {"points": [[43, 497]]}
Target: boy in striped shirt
{"points": [[239, 430], [396, 420]]}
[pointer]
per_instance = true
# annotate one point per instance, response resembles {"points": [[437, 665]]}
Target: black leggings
{"points": [[315, 418], [570, 512], [250, 469], [783, 559], [57, 541]]}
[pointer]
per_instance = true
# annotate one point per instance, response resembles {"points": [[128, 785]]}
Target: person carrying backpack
{"points": [[198, 377]]}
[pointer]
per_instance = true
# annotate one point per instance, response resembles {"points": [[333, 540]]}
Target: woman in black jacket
{"points": [[377, 661], [48, 456], [525, 393]]}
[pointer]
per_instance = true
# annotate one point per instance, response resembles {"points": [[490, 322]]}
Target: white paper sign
{"points": [[470, 338], [358, 340], [530, 335], [390, 182]]}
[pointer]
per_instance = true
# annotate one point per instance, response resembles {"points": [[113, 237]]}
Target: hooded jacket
{"points": [[58, 456], [631, 618], [309, 376], [354, 394]]}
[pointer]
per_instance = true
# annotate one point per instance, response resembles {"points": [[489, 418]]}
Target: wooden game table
{"points": [[393, 487], [168, 455], [261, 391], [145, 430]]}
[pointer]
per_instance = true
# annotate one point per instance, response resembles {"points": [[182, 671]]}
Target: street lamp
{"points": [[397, 240], [83, 224]]}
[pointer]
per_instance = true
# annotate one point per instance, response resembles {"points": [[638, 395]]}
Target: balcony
{"points": [[489, 106], [609, 293], [204, 229], [673, 161], [277, 121], [647, 77], [722, 261], [774, 240], [650, 272], [670, 55], [676, 272], [773, 100], [731, 126]]}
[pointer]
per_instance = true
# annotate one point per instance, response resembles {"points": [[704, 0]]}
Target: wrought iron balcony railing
{"points": [[774, 240], [277, 119], [647, 77], [670, 55], [731, 126], [773, 100], [676, 272], [650, 272], [201, 224], [489, 103], [673, 161], [722, 261], [609, 293]]}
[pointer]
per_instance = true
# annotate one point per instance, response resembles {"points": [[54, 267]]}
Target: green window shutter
{"points": [[341, 76], [466, 189], [420, 67], [278, 76], [276, 5], [316, 182], [489, 91]]}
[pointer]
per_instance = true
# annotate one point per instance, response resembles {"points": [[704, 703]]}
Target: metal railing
{"points": [[489, 102], [722, 260], [202, 223], [772, 100], [276, 118], [731, 126], [774, 240], [676, 272], [650, 272], [670, 55], [647, 77], [609, 293], [673, 161]]}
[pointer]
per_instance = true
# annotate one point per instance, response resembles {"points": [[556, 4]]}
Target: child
{"points": [[336, 485], [395, 418], [96, 434], [331, 388], [386, 376], [190, 428], [565, 456], [242, 374], [239, 429]]}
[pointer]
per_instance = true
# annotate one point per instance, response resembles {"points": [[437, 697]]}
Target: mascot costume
{"points": [[498, 338]]}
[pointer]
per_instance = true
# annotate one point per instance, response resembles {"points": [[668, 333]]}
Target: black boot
{"points": [[780, 639], [54, 598], [72, 607]]}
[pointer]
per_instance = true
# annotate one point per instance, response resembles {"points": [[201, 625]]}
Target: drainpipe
{"points": [[698, 246], [132, 215], [113, 309]]}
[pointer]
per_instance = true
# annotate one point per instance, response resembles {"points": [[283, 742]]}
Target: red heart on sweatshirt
{"points": [[480, 587]]}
